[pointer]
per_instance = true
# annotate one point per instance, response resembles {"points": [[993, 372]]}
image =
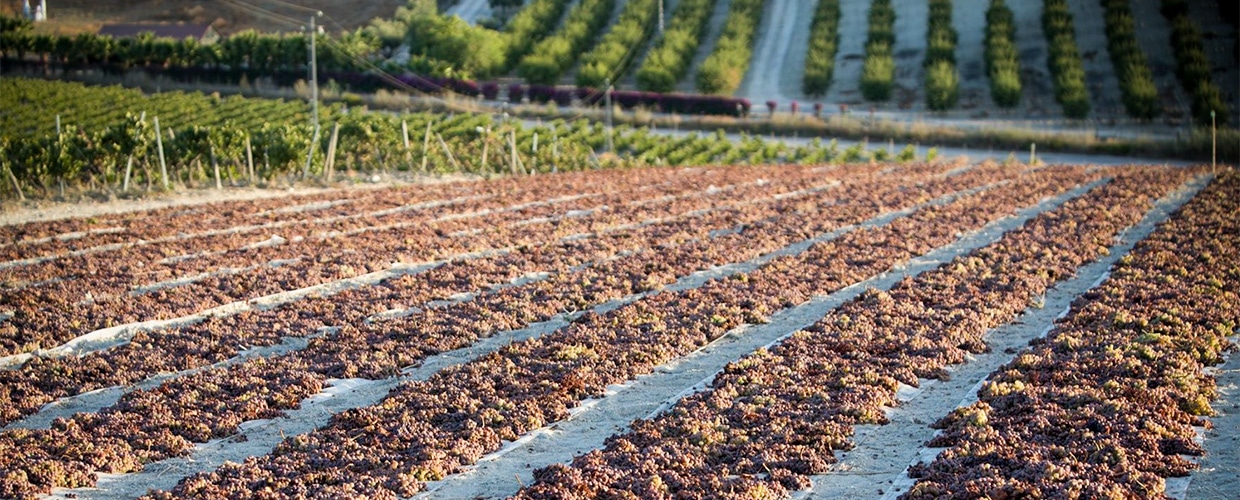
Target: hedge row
{"points": [[1193, 65], [879, 70], [611, 57], [722, 72], [1136, 81], [671, 103], [942, 81], [538, 19], [1064, 60], [1002, 58], [671, 56], [824, 41], [554, 55]]}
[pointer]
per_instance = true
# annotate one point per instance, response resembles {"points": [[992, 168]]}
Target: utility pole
{"points": [[607, 102], [1213, 143], [314, 94]]}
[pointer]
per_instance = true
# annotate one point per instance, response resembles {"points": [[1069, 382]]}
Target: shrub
{"points": [[823, 46], [878, 71], [942, 85]]}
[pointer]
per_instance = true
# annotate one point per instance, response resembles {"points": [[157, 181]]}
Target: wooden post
{"points": [[555, 153], [426, 146], [163, 165], [57, 125], [314, 144], [404, 135], [1213, 143], [451, 158], [215, 166], [534, 155], [1033, 153], [128, 170], [16, 187], [512, 146], [486, 145], [329, 170], [249, 157]]}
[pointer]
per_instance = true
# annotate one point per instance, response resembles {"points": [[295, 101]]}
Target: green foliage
{"points": [[1002, 59], [467, 50], [878, 73], [724, 69], [1136, 81], [879, 70], [671, 56], [611, 57], [537, 20], [942, 85], [1064, 59], [553, 56], [824, 41], [942, 82], [1193, 66]]}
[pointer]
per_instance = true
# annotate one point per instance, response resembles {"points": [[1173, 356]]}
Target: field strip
{"points": [[110, 337], [502, 472], [314, 413], [877, 466], [306, 207], [237, 230], [514, 240], [1219, 475], [75, 235]]}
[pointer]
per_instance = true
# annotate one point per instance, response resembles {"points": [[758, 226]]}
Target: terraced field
{"points": [[727, 332]]}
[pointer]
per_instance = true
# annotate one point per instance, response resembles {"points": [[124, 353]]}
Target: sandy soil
{"points": [[75, 16], [1038, 100], [713, 30], [851, 54], [910, 48], [1219, 39], [1154, 35], [778, 65], [1219, 476], [1091, 39], [969, 19]]}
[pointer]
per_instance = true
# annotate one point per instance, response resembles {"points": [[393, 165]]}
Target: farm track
{"points": [[60, 310], [963, 177], [621, 355], [775, 416]]}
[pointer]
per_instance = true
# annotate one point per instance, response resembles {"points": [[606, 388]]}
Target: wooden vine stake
{"points": [[426, 146], [16, 187], [329, 170], [455, 166], [163, 165], [249, 158], [404, 135], [486, 145], [215, 166]]}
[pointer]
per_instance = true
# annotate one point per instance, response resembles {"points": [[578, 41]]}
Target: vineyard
{"points": [[107, 140], [722, 332]]}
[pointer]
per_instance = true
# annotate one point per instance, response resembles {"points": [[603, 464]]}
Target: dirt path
{"points": [[1091, 39], [779, 53], [1219, 476], [471, 10], [969, 19], [1038, 99], [845, 89], [911, 25], [1219, 39], [713, 30], [876, 467], [1154, 35]]}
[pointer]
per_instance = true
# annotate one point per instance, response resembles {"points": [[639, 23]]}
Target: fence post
{"points": [[329, 170], [249, 157], [163, 165], [426, 145]]}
